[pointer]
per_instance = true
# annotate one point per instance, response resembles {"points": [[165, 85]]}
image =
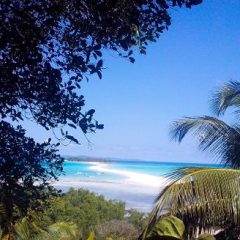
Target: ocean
{"points": [[137, 183]]}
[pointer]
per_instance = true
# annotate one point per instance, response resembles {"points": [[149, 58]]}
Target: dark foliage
{"points": [[46, 49], [231, 233], [25, 169]]}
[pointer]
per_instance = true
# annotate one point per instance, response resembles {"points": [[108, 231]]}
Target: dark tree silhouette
{"points": [[46, 49], [25, 170]]}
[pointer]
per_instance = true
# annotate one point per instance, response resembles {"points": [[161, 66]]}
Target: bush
{"points": [[83, 208], [116, 230]]}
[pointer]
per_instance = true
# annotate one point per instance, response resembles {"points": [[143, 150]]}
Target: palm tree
{"points": [[206, 199], [25, 230]]}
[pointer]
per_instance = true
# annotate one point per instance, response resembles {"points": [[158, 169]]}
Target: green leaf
{"points": [[169, 227], [91, 236], [213, 135], [189, 195]]}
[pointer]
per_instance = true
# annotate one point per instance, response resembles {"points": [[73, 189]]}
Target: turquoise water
{"points": [[125, 180], [83, 169], [154, 168]]}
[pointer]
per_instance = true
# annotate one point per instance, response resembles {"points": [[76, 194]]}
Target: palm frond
{"points": [[213, 135], [225, 97], [26, 229], [22, 230], [60, 231], [66, 230], [48, 236], [204, 198]]}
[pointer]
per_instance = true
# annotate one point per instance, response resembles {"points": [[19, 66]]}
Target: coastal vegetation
{"points": [[76, 215], [47, 49], [207, 200], [84, 209]]}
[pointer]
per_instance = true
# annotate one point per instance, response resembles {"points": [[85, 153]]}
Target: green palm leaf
{"points": [[26, 229], [213, 135], [225, 97], [204, 198], [66, 231], [60, 231], [49, 236]]}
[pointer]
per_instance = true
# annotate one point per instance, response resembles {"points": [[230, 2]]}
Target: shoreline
{"points": [[114, 160], [137, 190], [134, 186], [134, 196], [132, 177]]}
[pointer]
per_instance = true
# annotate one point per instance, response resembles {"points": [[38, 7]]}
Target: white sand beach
{"points": [[132, 177], [138, 190]]}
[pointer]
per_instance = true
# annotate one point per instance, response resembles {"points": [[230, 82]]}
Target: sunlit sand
{"points": [[138, 190]]}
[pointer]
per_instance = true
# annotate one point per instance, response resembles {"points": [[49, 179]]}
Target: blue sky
{"points": [[137, 102]]}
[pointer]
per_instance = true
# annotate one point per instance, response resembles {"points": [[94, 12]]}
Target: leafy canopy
{"points": [[83, 208], [25, 170], [47, 48]]}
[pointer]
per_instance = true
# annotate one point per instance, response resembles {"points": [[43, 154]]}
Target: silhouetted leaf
{"points": [[72, 138], [99, 64], [90, 112], [72, 125], [100, 126], [99, 74], [132, 60]]}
